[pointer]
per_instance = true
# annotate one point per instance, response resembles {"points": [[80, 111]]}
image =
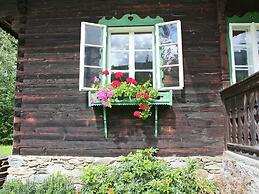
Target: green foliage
{"points": [[6, 150], [142, 172], [54, 184], [8, 57], [17, 187]]}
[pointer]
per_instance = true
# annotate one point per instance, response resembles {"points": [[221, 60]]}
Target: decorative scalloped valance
{"points": [[131, 20]]}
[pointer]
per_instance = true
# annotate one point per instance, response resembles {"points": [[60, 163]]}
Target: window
{"points": [[151, 52], [244, 42]]}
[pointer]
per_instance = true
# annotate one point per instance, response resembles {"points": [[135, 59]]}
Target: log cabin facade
{"points": [[52, 116]]}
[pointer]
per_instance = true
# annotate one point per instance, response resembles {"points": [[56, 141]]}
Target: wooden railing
{"points": [[241, 101], [3, 170]]}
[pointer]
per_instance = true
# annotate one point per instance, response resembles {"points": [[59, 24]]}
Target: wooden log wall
{"points": [[52, 117]]}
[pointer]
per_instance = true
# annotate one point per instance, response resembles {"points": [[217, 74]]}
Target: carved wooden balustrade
{"points": [[241, 101]]}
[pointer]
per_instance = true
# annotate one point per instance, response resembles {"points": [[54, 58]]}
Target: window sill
{"points": [[164, 98]]}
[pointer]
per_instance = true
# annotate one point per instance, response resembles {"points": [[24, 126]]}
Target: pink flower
{"points": [[96, 79], [138, 95], [137, 114], [132, 81], [109, 87], [92, 100], [101, 95], [105, 72], [143, 107], [104, 103], [118, 75], [145, 95], [116, 83], [110, 94]]}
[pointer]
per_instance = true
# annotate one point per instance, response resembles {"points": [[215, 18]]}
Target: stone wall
{"points": [[37, 168], [240, 174]]}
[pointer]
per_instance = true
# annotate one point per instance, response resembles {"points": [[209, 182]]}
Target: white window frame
{"points": [[131, 31], [82, 54], [180, 56], [253, 59]]}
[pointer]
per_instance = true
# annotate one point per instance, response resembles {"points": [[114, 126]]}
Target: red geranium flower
{"points": [[105, 72], [138, 95], [145, 95], [143, 107], [132, 81], [116, 83], [137, 114], [118, 75]]}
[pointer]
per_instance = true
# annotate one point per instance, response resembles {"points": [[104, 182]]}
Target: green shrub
{"points": [[8, 57], [54, 184], [17, 187], [142, 172]]}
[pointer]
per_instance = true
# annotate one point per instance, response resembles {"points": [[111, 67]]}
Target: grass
{"points": [[6, 150]]}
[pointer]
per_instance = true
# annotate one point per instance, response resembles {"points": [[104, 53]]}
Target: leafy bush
{"points": [[52, 185], [8, 57], [142, 172], [17, 187]]}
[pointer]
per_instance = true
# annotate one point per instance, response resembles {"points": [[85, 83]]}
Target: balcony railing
{"points": [[241, 101]]}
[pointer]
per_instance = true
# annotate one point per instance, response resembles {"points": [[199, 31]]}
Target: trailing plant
{"points": [[143, 172], [143, 94]]}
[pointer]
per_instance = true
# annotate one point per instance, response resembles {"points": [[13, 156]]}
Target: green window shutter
{"points": [[169, 56], [92, 54]]}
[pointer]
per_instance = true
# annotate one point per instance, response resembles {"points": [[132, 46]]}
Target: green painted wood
{"points": [[156, 121], [105, 122], [165, 98], [131, 20]]}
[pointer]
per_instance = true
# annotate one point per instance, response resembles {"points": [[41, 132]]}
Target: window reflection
{"points": [[120, 41], [168, 33], [143, 60], [169, 55], [120, 60], [93, 35], [143, 41]]}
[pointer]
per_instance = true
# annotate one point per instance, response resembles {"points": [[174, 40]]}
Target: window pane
{"points": [[93, 35], [240, 56], [120, 41], [143, 40], [170, 76], [125, 75], [142, 77], [169, 55], [143, 60], [120, 60], [89, 75], [241, 74], [257, 35], [240, 37], [168, 33], [93, 56]]}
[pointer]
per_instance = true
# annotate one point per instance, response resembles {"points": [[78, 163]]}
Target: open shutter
{"points": [[169, 55], [92, 54]]}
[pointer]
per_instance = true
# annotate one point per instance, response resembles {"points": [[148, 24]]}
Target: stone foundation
{"points": [[240, 174], [37, 168]]}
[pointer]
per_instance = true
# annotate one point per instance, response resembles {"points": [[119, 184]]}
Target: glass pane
{"points": [[89, 75], [93, 35], [125, 76], [169, 55], [120, 41], [241, 74], [257, 35], [240, 37], [142, 77], [120, 60], [240, 56], [93, 56], [143, 40], [143, 60], [168, 33], [170, 76]]}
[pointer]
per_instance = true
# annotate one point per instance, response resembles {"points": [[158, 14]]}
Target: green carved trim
{"points": [[246, 18], [131, 20]]}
